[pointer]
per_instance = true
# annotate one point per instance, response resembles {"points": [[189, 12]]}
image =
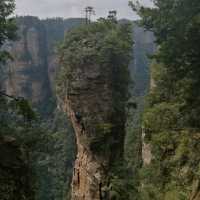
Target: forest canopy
{"points": [[171, 119]]}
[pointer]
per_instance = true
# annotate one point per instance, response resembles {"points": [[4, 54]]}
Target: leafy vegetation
{"points": [[104, 43], [172, 119], [7, 26]]}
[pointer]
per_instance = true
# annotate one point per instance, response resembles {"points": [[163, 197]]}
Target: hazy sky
{"points": [[73, 8]]}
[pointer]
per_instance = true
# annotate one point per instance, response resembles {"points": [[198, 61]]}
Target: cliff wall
{"points": [[93, 90], [27, 73], [91, 169], [31, 73]]}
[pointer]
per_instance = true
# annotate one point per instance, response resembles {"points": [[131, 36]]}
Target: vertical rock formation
{"points": [[31, 74], [55, 31], [27, 74], [93, 92], [136, 149], [89, 104]]}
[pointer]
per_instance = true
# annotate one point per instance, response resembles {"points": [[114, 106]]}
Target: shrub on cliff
{"points": [[103, 43], [7, 25]]}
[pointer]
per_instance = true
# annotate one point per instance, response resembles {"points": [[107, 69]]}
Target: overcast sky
{"points": [[74, 8]]}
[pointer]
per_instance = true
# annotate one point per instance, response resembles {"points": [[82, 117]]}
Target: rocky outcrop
{"points": [[89, 104], [15, 175]]}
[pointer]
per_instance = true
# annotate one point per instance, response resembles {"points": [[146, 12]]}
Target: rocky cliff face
{"points": [[93, 90], [27, 74], [31, 74], [15, 175], [89, 104], [144, 46]]}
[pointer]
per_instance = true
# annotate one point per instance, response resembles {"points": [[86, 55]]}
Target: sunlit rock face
{"points": [[15, 176]]}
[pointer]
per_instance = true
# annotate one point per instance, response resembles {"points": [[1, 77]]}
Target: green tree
{"points": [[176, 25], [172, 119], [7, 25]]}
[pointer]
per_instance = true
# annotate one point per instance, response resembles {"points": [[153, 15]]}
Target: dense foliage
{"points": [[172, 118], [7, 25], [143, 48], [104, 43]]}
